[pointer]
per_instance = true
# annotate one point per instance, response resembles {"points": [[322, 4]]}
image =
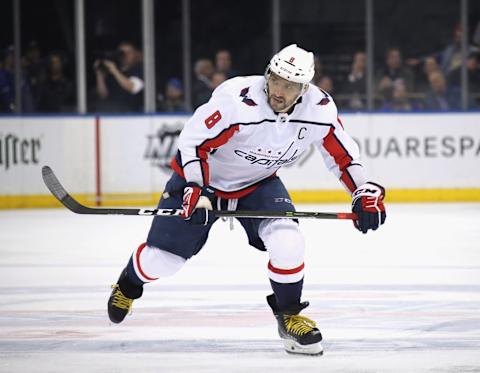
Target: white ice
{"points": [[403, 299]]}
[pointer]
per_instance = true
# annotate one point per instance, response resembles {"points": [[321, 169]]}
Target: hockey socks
{"points": [[122, 296], [287, 294]]}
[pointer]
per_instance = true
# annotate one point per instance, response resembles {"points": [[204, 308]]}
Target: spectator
{"points": [[173, 99], [473, 67], [217, 79], [55, 92], [393, 74], [223, 63], [35, 69], [119, 88], [7, 99], [202, 84], [429, 66], [399, 100], [7, 85], [319, 75], [473, 71], [454, 80], [326, 84], [439, 97], [451, 57], [318, 69], [356, 84]]}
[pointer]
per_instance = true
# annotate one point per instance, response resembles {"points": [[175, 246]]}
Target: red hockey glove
{"points": [[197, 204], [367, 203]]}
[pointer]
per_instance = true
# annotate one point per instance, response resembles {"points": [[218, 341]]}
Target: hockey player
{"points": [[229, 153]]}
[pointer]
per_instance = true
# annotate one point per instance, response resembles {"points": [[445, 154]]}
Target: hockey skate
{"points": [[122, 297], [299, 333]]}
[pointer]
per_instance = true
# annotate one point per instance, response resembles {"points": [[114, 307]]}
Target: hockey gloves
{"points": [[367, 203], [197, 204]]}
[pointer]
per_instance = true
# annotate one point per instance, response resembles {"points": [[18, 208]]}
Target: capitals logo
{"points": [[162, 146]]}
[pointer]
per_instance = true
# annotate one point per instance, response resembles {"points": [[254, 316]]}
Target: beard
{"points": [[278, 105]]}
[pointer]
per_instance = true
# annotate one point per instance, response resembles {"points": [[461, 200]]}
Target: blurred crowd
{"points": [[44, 84], [208, 75], [429, 82]]}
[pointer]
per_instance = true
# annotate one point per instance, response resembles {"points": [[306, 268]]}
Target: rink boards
{"points": [[117, 160]]}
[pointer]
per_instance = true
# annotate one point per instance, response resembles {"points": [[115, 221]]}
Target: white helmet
{"points": [[293, 64]]}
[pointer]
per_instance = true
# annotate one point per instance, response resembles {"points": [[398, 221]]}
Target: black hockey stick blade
{"points": [[57, 189], [70, 203]]}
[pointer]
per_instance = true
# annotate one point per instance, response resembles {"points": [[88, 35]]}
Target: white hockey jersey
{"points": [[236, 140]]}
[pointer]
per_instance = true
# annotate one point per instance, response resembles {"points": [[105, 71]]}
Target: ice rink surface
{"points": [[403, 299]]}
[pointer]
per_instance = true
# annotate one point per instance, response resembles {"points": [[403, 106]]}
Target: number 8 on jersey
{"points": [[213, 119]]}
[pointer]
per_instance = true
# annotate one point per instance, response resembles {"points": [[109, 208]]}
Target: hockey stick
{"points": [[70, 203]]}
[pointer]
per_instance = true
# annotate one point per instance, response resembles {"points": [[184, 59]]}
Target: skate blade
{"points": [[293, 347]]}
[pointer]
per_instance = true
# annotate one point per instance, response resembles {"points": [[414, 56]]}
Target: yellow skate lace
{"points": [[120, 300], [299, 325]]}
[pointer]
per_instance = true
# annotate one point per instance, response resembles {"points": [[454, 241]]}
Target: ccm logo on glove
{"points": [[367, 203]]}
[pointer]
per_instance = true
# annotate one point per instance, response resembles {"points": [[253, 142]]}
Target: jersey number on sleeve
{"points": [[213, 119]]}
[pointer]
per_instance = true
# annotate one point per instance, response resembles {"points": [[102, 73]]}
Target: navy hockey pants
{"points": [[181, 238]]}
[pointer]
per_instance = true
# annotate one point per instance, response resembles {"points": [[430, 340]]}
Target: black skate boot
{"points": [[299, 333], [121, 298]]}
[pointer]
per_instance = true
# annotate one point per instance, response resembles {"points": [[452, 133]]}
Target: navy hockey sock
{"points": [[131, 274], [129, 283], [287, 295]]}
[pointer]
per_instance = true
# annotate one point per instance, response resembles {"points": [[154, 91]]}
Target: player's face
{"points": [[282, 93]]}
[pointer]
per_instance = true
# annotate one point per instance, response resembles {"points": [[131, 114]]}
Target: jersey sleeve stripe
{"points": [[336, 149], [205, 148], [177, 167], [347, 179]]}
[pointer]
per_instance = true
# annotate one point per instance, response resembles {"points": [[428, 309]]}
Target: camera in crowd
{"points": [[112, 55]]}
